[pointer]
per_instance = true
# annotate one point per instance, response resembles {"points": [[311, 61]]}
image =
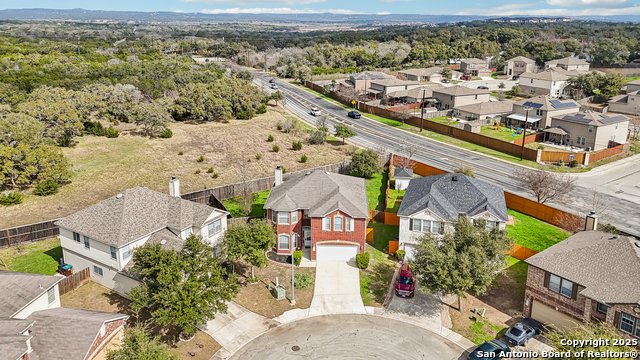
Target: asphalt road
{"points": [[349, 337], [622, 210]]}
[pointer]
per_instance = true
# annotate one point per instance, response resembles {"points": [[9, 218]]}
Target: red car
{"points": [[465, 77], [405, 284]]}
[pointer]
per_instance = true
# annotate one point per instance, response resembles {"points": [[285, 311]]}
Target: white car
{"points": [[274, 86], [315, 111]]}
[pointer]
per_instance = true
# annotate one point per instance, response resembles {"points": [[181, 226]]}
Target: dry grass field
{"points": [[104, 167]]}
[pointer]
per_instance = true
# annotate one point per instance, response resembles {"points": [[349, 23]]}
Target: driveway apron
{"points": [[337, 289]]}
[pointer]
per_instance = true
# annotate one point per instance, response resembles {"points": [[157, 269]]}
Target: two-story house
{"points": [[519, 65], [381, 88], [103, 236], [432, 204], [542, 109], [362, 80], [323, 213], [591, 130], [432, 74], [569, 64], [548, 82], [628, 103], [475, 67], [591, 276], [454, 96], [31, 318]]}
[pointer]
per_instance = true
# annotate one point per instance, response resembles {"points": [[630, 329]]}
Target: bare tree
{"points": [[243, 169], [407, 151], [465, 169], [546, 185], [634, 128], [347, 93]]}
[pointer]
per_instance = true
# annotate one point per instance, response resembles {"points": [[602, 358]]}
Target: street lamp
{"points": [[293, 250], [524, 130]]}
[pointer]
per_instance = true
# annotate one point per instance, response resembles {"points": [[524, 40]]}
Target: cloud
{"points": [[383, 13], [590, 3], [251, 2], [279, 11], [519, 9]]}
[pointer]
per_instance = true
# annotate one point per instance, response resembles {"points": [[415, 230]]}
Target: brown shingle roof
{"points": [[547, 75], [486, 108], [20, 289], [571, 61], [459, 90], [608, 267], [12, 343], [523, 59], [474, 61], [139, 211], [394, 82], [321, 192]]}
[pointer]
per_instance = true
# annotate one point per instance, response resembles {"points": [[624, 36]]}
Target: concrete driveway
{"points": [[349, 337], [337, 289], [423, 309]]}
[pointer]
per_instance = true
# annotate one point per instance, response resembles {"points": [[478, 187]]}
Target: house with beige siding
{"points": [[519, 65], [362, 80], [483, 110], [543, 108], [548, 82], [432, 74], [628, 103], [591, 130], [450, 97], [568, 63], [381, 88], [475, 67], [103, 236]]}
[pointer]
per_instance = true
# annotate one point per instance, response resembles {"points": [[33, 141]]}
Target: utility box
{"points": [[280, 292]]}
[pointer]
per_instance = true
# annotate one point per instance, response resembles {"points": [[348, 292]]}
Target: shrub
{"points": [[167, 133], [362, 260], [573, 163], [465, 170], [244, 115], [47, 187], [400, 254], [65, 141], [296, 145], [303, 158], [275, 148], [198, 171], [297, 257], [610, 229], [258, 156], [8, 198], [215, 175], [279, 127], [284, 171], [180, 153], [302, 281], [270, 138], [560, 162], [94, 127], [540, 147], [262, 109], [201, 158], [112, 132], [365, 163], [210, 170]]}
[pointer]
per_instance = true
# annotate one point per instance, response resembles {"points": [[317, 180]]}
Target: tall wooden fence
{"points": [[554, 156], [74, 281], [537, 137], [613, 150], [26, 233]]}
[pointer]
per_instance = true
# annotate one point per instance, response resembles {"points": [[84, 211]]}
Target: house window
{"points": [[567, 287], [532, 81], [210, 229], [617, 124], [87, 244], [305, 214], [583, 139], [578, 140], [218, 225], [602, 308], [533, 90], [283, 217], [626, 323], [283, 242], [326, 224], [217, 250], [348, 225], [490, 225], [416, 225], [337, 223], [613, 138], [51, 295], [560, 285], [294, 217], [97, 270], [273, 216], [76, 237], [451, 97], [554, 283], [435, 227], [114, 252], [590, 128], [538, 112], [126, 252]]}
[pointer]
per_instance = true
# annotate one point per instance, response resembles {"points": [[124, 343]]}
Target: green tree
{"points": [[586, 83], [611, 84], [343, 131], [249, 242], [446, 73], [276, 96], [153, 117], [559, 337], [572, 46], [464, 261], [365, 163], [183, 288], [139, 345], [607, 52]]}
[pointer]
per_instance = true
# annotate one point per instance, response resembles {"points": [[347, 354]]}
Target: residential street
{"points": [[623, 210], [349, 337]]}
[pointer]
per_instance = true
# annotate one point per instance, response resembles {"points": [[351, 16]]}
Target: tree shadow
{"points": [[55, 253]]}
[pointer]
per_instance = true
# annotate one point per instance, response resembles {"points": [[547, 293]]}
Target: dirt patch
{"points": [[104, 167], [259, 299], [94, 296]]}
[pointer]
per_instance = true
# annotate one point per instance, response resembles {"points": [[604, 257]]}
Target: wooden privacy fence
{"points": [[554, 156], [537, 137], [74, 281], [32, 232], [614, 150], [520, 252]]}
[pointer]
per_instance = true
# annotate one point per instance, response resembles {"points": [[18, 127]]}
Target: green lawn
{"points": [[533, 233], [40, 257], [382, 234], [375, 280], [376, 186], [443, 120], [506, 135], [392, 204], [235, 205], [633, 78]]}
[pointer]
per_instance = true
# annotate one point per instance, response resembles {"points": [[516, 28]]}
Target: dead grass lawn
{"points": [[103, 167]]}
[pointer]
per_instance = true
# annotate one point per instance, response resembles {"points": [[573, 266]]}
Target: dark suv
{"points": [[354, 114], [405, 284]]}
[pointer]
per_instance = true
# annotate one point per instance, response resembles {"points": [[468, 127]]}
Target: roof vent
{"points": [[163, 241], [637, 243], [40, 286], [308, 173], [454, 178], [326, 172], [615, 237], [119, 196]]}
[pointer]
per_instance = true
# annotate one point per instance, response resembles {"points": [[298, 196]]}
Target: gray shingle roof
{"points": [[402, 173], [571, 61], [486, 108], [473, 61], [523, 59], [320, 192], [139, 211], [78, 328], [12, 343], [592, 118], [448, 198], [394, 82], [19, 289], [422, 71], [547, 75], [458, 90], [607, 267], [370, 75], [417, 93]]}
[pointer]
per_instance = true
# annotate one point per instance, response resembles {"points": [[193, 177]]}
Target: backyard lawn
{"points": [[376, 190], [40, 257], [443, 120], [375, 280], [504, 134], [394, 200], [533, 233], [237, 209]]}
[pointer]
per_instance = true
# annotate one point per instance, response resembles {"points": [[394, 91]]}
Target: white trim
{"points": [[335, 217], [288, 237]]}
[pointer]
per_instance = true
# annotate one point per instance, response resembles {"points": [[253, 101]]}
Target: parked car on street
{"points": [[483, 87], [405, 284], [274, 86], [465, 77], [354, 114], [489, 350], [519, 334], [315, 111]]}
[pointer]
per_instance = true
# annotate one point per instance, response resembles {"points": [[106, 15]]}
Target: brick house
{"points": [[591, 276], [324, 214]]}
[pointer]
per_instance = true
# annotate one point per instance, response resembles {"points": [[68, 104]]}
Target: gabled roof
{"points": [[571, 61], [485, 108], [592, 118], [402, 173], [80, 328], [634, 82], [321, 192], [13, 344], [167, 240], [394, 82], [423, 71], [139, 211], [448, 198], [607, 266], [547, 75], [523, 59], [474, 61], [418, 92], [20, 289], [544, 102], [370, 75], [459, 90]]}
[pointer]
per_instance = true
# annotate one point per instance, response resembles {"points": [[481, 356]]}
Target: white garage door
{"points": [[548, 315], [336, 252], [409, 251]]}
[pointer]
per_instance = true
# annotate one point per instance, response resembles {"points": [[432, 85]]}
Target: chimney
{"points": [[592, 221], [174, 187], [278, 175]]}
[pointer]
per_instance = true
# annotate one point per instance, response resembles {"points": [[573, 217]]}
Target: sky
{"points": [[380, 7]]}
